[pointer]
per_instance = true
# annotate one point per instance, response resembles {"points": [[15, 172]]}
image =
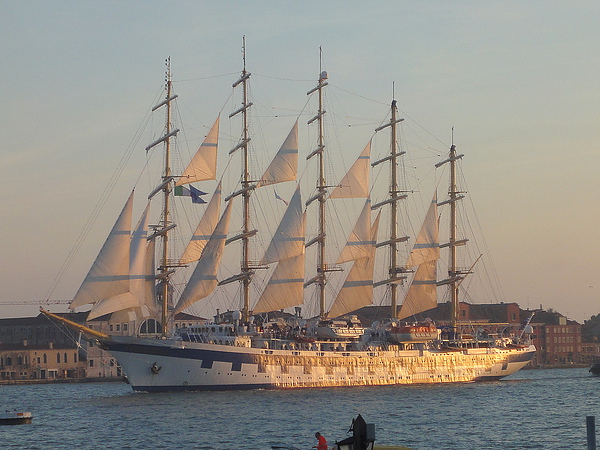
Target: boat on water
{"points": [[15, 417], [248, 351]]}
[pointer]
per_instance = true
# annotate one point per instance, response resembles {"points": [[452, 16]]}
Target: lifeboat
{"points": [[414, 333]]}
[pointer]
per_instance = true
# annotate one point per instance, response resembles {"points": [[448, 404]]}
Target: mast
{"points": [[452, 271], [394, 196], [320, 279], [454, 274], [162, 230], [246, 270]]}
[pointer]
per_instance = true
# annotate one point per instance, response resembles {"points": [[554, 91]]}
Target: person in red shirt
{"points": [[322, 445]]}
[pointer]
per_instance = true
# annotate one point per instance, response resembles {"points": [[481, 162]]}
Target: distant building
{"points": [[33, 348], [557, 339]]}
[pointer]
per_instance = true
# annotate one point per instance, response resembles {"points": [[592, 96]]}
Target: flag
{"points": [[196, 195], [279, 198], [192, 192]]}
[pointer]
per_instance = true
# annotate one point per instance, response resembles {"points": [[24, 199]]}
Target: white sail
{"points": [[203, 165], [357, 290], [359, 244], [422, 293], [427, 246], [109, 275], [284, 166], [285, 287], [142, 280], [355, 183], [288, 240], [204, 278], [205, 228], [137, 275]]}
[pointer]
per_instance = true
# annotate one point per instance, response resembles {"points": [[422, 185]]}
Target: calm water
{"points": [[538, 409]]}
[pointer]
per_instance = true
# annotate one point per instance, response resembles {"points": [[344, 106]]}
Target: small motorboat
{"points": [[15, 417], [595, 369]]}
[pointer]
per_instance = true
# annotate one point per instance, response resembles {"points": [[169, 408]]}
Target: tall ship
{"points": [[256, 345]]}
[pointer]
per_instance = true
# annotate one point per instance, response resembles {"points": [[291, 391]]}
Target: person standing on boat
{"points": [[322, 445]]}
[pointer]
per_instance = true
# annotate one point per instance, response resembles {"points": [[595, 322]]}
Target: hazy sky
{"points": [[519, 81]]}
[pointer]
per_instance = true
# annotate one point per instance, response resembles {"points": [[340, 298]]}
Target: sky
{"points": [[518, 81]]}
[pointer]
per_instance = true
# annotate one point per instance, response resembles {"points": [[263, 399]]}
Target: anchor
{"points": [[155, 369]]}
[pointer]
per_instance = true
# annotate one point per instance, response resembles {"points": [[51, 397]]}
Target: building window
{"points": [[110, 327], [91, 361], [65, 358], [75, 357], [58, 357], [118, 327], [125, 327], [45, 359]]}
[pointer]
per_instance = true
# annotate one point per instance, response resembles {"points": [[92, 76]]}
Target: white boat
{"points": [[15, 417], [309, 352]]}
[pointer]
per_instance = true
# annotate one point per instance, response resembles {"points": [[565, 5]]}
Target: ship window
{"points": [[150, 326]]}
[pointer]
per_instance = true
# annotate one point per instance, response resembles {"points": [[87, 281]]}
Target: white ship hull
{"points": [[172, 365]]}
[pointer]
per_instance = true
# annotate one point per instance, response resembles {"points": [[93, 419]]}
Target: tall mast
{"points": [[320, 279], [162, 230], [453, 271], [454, 274], [394, 196], [246, 270]]}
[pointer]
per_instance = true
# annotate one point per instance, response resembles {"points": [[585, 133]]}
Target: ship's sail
{"points": [[285, 163], [141, 280], [357, 290], [355, 183], [286, 286], [359, 244], [108, 278], [427, 245], [422, 292], [204, 278], [204, 164], [288, 240], [204, 230]]}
